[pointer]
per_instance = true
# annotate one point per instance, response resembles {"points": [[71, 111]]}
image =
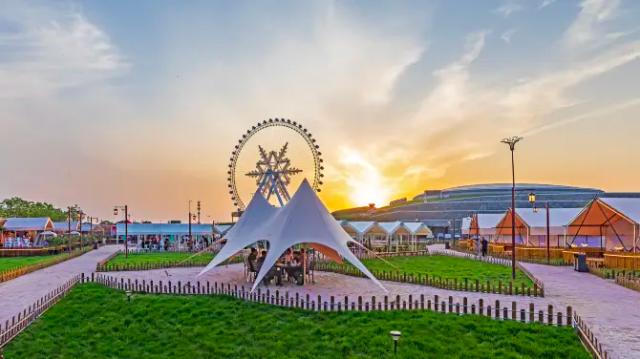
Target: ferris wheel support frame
{"points": [[276, 122]]}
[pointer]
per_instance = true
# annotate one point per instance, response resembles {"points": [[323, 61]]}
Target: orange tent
{"points": [[614, 220], [504, 229]]}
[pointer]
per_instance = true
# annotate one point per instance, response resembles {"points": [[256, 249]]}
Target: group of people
{"points": [[160, 243], [292, 263], [18, 242]]}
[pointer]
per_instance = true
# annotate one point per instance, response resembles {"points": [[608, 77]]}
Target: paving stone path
{"points": [[612, 311], [19, 293]]}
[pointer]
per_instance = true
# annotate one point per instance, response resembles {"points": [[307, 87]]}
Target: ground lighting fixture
{"points": [[395, 335]]}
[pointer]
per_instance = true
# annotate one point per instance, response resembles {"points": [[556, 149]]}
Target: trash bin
{"points": [[447, 245], [580, 262]]}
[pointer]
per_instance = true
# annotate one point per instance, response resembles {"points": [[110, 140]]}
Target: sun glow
{"points": [[365, 182]]}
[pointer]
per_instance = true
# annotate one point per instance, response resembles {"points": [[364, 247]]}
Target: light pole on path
{"points": [[511, 141], [126, 226], [532, 200]]}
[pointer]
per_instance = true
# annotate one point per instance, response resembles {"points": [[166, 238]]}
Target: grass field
{"points": [[97, 322], [8, 263], [449, 267], [160, 257]]}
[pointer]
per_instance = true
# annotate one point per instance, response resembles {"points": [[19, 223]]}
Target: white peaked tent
{"points": [[241, 235], [304, 219]]}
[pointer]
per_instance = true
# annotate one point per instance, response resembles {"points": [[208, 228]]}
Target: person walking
{"points": [[485, 245]]}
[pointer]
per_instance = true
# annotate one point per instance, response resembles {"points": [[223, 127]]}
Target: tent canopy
{"points": [[390, 227], [465, 226], [484, 223], [246, 231], [303, 220], [417, 228], [63, 226], [535, 222], [360, 227], [615, 219], [28, 224]]}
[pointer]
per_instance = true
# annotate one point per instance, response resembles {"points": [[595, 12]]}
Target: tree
{"points": [[18, 207]]}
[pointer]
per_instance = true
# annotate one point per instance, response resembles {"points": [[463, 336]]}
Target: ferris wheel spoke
{"points": [[273, 170]]}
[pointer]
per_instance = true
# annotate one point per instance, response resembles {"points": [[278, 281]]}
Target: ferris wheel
{"points": [[273, 170]]}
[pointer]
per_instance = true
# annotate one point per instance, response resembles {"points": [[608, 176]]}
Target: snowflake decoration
{"points": [[273, 174]]}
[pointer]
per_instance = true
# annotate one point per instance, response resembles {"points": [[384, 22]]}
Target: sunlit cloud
{"points": [[52, 49], [590, 23]]}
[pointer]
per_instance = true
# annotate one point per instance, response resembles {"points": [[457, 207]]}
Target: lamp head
{"points": [[511, 141], [532, 198], [395, 335]]}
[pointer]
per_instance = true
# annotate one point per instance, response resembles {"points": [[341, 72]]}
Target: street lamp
{"points": [[80, 215], [192, 217], [395, 335], [532, 200], [70, 210], [511, 141], [126, 226]]}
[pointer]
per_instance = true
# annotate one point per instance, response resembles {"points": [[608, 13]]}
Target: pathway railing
{"points": [[23, 319], [465, 284], [492, 260], [105, 266], [588, 339], [519, 258], [515, 311]]}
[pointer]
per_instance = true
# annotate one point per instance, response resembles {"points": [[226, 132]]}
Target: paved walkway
{"points": [[610, 310], [19, 293]]}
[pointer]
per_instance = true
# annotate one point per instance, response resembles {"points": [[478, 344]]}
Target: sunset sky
{"points": [[141, 102]]}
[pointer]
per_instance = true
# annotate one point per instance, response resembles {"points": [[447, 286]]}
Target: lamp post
{"points": [[395, 335], [192, 218], [69, 229], [80, 214], [70, 209], [511, 141], [126, 226], [532, 200]]}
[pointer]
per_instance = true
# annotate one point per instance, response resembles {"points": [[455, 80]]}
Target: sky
{"points": [[105, 103]]}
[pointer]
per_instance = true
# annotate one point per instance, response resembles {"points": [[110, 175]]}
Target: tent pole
{"points": [[377, 256], [612, 227]]}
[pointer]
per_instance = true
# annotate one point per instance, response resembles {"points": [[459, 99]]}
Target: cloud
{"points": [[444, 105], [545, 3], [508, 8], [590, 23], [381, 94], [51, 49], [535, 98], [508, 35], [601, 112]]}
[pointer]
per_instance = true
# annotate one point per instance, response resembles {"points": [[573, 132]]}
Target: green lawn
{"points": [[97, 322], [449, 268], [7, 263], [161, 257]]}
